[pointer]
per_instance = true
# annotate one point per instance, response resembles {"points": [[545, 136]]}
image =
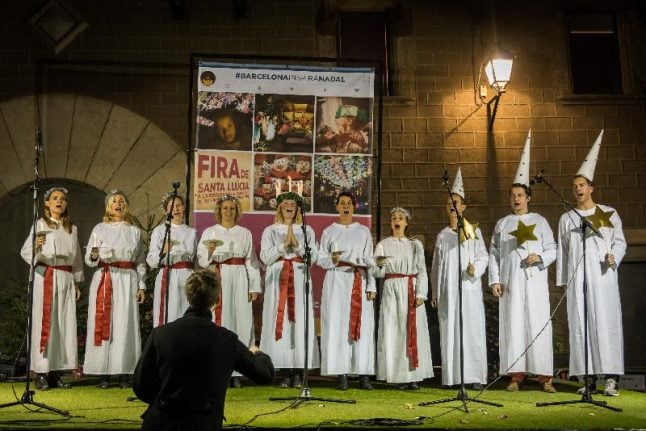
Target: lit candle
{"points": [[289, 180], [278, 184], [299, 188], [95, 240]]}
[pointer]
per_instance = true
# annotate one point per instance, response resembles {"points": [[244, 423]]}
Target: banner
{"points": [[262, 130]]}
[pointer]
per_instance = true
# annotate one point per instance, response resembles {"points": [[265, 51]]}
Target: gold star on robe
{"points": [[523, 233], [601, 218], [469, 229]]}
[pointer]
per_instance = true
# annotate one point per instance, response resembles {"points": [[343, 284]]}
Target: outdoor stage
{"points": [[93, 408]]}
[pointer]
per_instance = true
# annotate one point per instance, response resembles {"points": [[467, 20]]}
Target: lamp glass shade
{"points": [[498, 71]]}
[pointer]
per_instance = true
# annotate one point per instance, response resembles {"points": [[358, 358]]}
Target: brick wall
{"points": [[442, 124]]}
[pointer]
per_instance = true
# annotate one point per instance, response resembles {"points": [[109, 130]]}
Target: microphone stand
{"points": [[28, 396], [169, 218], [462, 392], [306, 393], [585, 224]]}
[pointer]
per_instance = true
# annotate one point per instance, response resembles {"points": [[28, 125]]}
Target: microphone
{"points": [[300, 202], [445, 177], [538, 178], [173, 195]]}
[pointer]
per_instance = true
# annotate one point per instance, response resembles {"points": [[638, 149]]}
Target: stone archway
{"points": [[90, 146], [90, 141]]}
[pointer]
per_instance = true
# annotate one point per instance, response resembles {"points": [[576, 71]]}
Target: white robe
{"points": [[289, 350], [237, 281], [406, 256], [117, 242], [605, 332], [444, 283], [339, 354], [184, 240], [60, 249], [524, 308]]}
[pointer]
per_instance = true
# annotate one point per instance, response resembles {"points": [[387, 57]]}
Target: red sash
{"points": [[411, 323], [286, 295], [104, 300], [355, 301], [218, 305], [48, 287], [165, 270]]}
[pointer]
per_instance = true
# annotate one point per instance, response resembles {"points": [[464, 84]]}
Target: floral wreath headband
{"points": [[288, 196], [49, 192], [231, 198], [115, 192], [401, 210]]}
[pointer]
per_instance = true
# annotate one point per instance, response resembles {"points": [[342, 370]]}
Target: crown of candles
{"points": [[292, 186], [289, 196]]}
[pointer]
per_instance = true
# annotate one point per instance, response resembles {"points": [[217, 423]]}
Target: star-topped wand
{"points": [[468, 233], [600, 219], [524, 233]]}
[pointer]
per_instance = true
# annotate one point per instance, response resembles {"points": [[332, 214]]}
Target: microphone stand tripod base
{"points": [[28, 399], [306, 395], [463, 397], [585, 399]]}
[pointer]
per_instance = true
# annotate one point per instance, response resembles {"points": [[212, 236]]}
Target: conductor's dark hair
{"points": [[202, 289]]}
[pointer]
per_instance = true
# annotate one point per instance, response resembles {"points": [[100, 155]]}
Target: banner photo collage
{"points": [[263, 130]]}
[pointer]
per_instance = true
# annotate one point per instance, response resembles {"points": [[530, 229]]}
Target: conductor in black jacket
{"points": [[186, 365]]}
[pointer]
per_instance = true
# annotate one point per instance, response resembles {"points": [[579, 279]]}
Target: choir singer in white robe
{"points": [[403, 348], [227, 248], [604, 255], [604, 252], [58, 272], [347, 310], [182, 255], [115, 248], [445, 295], [522, 248], [282, 250]]}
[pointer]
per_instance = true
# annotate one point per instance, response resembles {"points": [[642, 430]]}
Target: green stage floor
{"points": [[93, 408]]}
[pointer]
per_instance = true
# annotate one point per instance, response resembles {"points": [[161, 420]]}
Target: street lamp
{"points": [[498, 72]]}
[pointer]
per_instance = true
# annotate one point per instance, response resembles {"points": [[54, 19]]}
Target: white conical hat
{"points": [[590, 163], [522, 173], [458, 187]]}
